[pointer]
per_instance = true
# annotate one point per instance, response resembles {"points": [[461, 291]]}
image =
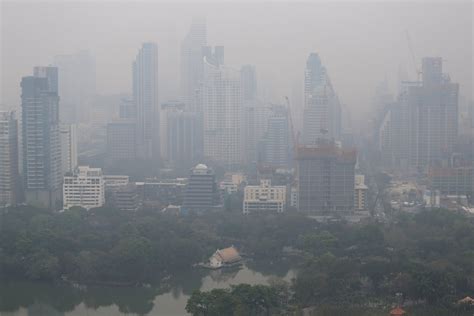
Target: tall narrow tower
{"points": [[322, 111], [41, 138], [192, 62], [145, 95], [9, 172]]}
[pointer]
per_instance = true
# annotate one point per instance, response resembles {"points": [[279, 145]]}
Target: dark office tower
{"points": [[41, 138], [276, 140], [252, 108], [201, 192], [10, 181], [248, 77], [145, 96], [77, 87], [322, 110], [433, 116], [182, 135], [192, 63], [325, 177]]}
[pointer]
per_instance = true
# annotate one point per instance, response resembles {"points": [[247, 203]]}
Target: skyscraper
{"points": [[10, 186], [433, 108], [68, 147], [78, 85], [182, 135], [248, 77], [325, 177], [275, 144], [41, 138], [252, 121], [420, 129], [192, 62], [221, 104], [322, 111], [145, 96], [121, 141]]}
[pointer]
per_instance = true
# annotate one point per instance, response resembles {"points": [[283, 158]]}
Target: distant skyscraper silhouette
{"points": [[145, 96], [322, 111], [182, 135], [192, 62], [275, 144], [77, 88], [221, 103], [420, 129]]}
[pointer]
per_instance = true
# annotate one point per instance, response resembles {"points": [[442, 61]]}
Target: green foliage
{"points": [[239, 300], [427, 257]]}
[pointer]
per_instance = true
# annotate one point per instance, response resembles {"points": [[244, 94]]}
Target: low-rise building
{"points": [[84, 188], [124, 197], [201, 192], [224, 257], [264, 197], [112, 181]]}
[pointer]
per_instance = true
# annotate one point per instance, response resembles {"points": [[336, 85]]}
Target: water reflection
{"points": [[168, 298]]}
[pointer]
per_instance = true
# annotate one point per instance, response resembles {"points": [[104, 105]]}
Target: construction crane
{"points": [[418, 71]]}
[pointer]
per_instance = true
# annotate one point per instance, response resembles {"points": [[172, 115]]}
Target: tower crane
{"points": [[418, 71]]}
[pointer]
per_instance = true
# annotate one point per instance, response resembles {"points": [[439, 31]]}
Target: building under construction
{"points": [[325, 178]]}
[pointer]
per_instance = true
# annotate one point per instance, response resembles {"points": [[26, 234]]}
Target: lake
{"points": [[42, 299]]}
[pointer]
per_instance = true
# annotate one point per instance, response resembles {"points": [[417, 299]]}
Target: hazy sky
{"points": [[359, 42]]}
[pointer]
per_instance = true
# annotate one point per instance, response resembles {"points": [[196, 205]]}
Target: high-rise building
{"points": [[221, 104], [433, 112], [77, 86], [68, 147], [201, 192], [10, 181], [254, 114], [145, 96], [84, 188], [121, 141], [275, 144], [192, 62], [127, 109], [182, 141], [248, 77], [420, 129], [41, 138], [322, 110], [255, 120], [325, 177]]}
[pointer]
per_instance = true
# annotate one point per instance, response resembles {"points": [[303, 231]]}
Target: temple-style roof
{"points": [[466, 300], [398, 311], [228, 255]]}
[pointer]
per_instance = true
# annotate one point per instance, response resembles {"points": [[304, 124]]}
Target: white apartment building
{"points": [[360, 193], [84, 188], [264, 197], [221, 104]]}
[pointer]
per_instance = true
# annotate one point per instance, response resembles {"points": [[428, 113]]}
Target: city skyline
{"points": [[355, 93]]}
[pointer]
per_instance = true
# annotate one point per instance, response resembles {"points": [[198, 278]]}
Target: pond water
{"points": [[41, 299]]}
